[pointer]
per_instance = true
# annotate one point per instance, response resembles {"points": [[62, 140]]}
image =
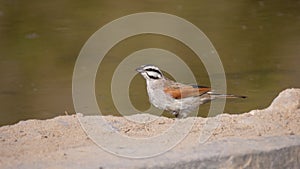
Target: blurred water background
{"points": [[258, 43]]}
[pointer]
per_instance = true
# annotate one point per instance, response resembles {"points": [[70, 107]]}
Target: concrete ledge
{"points": [[270, 152]]}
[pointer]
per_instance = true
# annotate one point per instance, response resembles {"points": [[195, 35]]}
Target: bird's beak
{"points": [[139, 69]]}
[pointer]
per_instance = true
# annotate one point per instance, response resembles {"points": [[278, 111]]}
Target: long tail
{"points": [[227, 96]]}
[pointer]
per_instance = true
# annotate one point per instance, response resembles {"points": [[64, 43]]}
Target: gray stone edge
{"points": [[268, 152]]}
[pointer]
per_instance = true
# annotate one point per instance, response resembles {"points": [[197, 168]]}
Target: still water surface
{"points": [[258, 43]]}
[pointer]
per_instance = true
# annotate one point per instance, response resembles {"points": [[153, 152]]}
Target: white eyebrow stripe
{"points": [[154, 75]]}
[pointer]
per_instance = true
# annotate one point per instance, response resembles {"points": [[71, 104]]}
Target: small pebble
{"points": [[44, 136]]}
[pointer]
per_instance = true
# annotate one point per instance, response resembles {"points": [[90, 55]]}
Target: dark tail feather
{"points": [[227, 96]]}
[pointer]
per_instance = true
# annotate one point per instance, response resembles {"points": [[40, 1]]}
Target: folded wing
{"points": [[179, 91]]}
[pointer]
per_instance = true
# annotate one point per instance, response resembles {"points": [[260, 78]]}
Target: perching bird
{"points": [[177, 98]]}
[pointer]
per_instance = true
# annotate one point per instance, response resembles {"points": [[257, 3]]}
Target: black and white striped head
{"points": [[150, 72]]}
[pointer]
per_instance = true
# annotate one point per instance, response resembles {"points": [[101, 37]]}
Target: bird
{"points": [[177, 98]]}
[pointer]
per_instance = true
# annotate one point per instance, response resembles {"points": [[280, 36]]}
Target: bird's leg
{"points": [[179, 115], [175, 113]]}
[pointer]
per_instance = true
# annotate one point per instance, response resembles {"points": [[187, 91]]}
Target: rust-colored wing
{"points": [[179, 91]]}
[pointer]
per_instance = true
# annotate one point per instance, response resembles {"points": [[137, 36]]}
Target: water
{"points": [[258, 43]]}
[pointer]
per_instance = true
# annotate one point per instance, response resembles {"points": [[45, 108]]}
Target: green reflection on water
{"points": [[258, 43]]}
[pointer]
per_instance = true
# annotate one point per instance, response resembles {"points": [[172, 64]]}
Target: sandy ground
{"points": [[37, 139]]}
